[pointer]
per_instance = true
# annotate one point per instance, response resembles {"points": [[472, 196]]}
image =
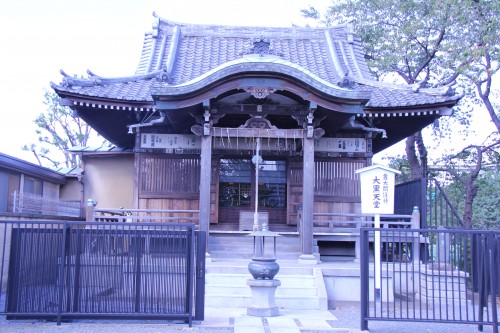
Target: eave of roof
{"points": [[17, 165], [88, 150]]}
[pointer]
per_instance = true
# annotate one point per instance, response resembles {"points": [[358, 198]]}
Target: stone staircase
{"points": [[238, 245], [302, 287]]}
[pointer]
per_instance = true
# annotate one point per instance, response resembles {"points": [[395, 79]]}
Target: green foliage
{"points": [[59, 128], [401, 164], [438, 42], [421, 39], [486, 205]]}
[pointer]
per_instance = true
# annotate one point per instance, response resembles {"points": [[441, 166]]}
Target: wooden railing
{"points": [[346, 227], [336, 222], [143, 215]]}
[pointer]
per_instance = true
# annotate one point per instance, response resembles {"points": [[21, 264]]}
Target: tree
{"points": [[60, 128], [426, 42], [401, 164], [468, 168]]}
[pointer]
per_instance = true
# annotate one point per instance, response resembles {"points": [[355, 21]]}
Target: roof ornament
{"points": [[418, 85], [71, 81], [262, 46], [347, 81], [164, 76], [155, 26]]}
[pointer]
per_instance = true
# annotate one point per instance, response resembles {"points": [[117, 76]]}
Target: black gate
{"points": [[457, 283], [72, 270]]}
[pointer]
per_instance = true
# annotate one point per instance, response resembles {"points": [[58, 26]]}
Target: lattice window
{"points": [[161, 176], [337, 178]]}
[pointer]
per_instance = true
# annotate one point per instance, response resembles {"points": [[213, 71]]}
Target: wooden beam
{"points": [[257, 132]]}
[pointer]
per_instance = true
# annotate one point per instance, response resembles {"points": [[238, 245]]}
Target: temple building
{"points": [[208, 104]]}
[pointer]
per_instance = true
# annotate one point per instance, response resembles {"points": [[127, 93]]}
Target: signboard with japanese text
{"points": [[340, 145], [377, 189], [170, 141]]}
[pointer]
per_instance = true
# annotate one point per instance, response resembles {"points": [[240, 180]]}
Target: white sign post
{"points": [[377, 197]]}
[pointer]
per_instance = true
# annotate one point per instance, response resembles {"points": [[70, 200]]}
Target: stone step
{"points": [[248, 240], [302, 287], [242, 268], [241, 280], [283, 302], [248, 254], [241, 246], [283, 290], [230, 246]]}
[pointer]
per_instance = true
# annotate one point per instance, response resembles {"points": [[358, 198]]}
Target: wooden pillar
{"points": [[306, 230], [89, 210], [205, 179], [137, 168]]}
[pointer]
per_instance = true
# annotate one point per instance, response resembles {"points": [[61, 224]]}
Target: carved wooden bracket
{"points": [[197, 130], [260, 92], [260, 123], [318, 133]]}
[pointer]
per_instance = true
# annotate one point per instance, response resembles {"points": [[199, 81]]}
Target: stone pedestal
{"points": [[308, 259], [263, 303], [442, 283]]}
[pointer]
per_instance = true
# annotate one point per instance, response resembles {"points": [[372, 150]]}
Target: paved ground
{"points": [[342, 319]]}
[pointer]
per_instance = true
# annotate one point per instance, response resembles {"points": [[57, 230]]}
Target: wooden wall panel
{"points": [[338, 178], [294, 191], [163, 175], [214, 190]]}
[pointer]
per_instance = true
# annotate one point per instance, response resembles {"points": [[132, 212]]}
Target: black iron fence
{"points": [[450, 278], [431, 199], [69, 270]]}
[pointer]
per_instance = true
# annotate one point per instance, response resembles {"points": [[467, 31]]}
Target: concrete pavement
{"points": [[216, 320]]}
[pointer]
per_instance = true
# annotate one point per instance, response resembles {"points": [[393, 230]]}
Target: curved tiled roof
{"points": [[176, 55]]}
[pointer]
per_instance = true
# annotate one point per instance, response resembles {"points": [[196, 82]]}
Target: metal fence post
{"points": [[62, 268], [364, 276], [493, 256], [199, 312], [415, 224]]}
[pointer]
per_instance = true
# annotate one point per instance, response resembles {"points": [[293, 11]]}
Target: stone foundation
{"points": [[438, 284]]}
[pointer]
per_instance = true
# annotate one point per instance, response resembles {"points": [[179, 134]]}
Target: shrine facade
{"points": [[207, 104]]}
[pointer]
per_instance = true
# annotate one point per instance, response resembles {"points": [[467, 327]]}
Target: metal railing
{"points": [[66, 270], [435, 207], [440, 210], [456, 283]]}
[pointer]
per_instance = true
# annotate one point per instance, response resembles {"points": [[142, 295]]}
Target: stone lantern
{"points": [[263, 268]]}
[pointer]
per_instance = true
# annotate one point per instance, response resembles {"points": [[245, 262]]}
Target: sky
{"points": [[40, 38]]}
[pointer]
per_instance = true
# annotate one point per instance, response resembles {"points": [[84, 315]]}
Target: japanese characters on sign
{"points": [[377, 189], [340, 145], [170, 141], [380, 190]]}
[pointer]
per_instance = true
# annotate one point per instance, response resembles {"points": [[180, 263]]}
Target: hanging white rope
{"points": [[257, 159]]}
